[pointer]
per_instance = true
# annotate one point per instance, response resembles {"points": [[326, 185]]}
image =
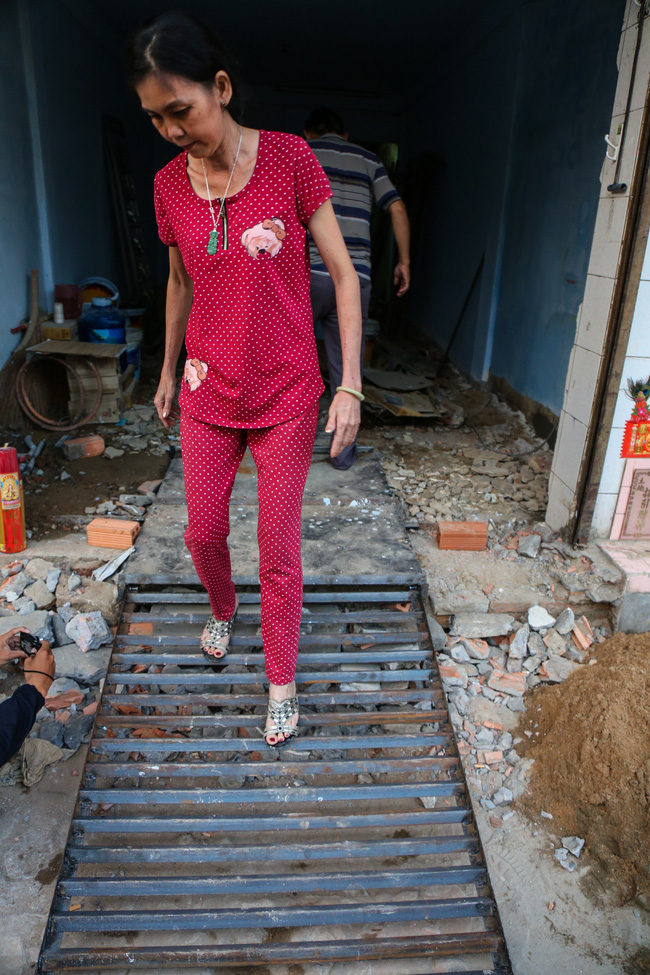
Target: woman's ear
{"points": [[224, 87]]}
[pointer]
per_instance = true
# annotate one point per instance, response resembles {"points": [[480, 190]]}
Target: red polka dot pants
{"points": [[282, 454]]}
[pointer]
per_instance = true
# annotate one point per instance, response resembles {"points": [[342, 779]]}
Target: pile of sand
{"points": [[591, 745]]}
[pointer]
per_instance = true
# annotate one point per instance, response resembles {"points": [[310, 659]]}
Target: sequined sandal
{"points": [[280, 714], [218, 630]]}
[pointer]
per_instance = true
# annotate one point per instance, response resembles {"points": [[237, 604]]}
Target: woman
{"points": [[234, 207]]}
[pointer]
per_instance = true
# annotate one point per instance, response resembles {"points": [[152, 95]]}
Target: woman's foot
{"points": [[215, 638], [282, 716]]}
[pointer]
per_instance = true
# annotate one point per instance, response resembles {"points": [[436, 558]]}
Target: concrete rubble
{"points": [[75, 614]]}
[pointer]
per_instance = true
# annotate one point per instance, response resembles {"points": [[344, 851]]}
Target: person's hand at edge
{"points": [[165, 402], [343, 421], [402, 278], [10, 645], [42, 662]]}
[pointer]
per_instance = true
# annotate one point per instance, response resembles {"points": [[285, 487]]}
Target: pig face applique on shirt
{"points": [[265, 238], [194, 373]]}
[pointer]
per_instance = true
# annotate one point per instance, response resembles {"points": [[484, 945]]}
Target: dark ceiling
{"points": [[353, 46]]}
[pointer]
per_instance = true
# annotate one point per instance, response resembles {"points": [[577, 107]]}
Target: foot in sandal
{"points": [[282, 715], [215, 638]]}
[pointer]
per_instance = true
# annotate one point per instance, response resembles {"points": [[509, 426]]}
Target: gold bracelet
{"points": [[346, 389]]}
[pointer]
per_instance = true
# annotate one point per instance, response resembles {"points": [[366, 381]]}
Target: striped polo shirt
{"points": [[356, 177]]}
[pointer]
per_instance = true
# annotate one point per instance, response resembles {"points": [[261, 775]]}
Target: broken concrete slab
{"points": [[37, 622], [98, 597], [39, 568], [539, 618], [76, 729], [556, 669], [528, 545], [519, 644], [565, 621], [40, 595], [508, 683], [14, 586], [89, 631], [86, 668], [482, 625]]}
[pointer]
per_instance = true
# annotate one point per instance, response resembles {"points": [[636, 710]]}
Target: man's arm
{"points": [[402, 231]]}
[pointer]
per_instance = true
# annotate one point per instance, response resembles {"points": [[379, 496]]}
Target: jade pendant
{"points": [[213, 242]]}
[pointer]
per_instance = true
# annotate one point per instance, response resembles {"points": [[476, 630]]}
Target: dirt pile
{"points": [[589, 739]]}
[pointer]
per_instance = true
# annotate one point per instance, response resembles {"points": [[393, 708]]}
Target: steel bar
{"points": [[377, 616], [279, 822], [253, 598], [329, 676], [342, 850], [313, 698], [249, 917], [248, 745], [271, 769], [197, 956], [339, 793]]}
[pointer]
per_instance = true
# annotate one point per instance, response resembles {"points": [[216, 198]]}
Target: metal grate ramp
{"points": [[196, 847]]}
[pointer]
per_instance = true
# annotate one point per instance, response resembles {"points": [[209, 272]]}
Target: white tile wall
{"points": [[636, 367], [582, 384], [630, 135], [614, 465], [639, 343], [596, 303], [572, 436], [561, 503], [624, 60], [608, 234], [603, 514]]}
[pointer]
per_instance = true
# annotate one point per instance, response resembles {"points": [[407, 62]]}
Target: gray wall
{"points": [[517, 120]]}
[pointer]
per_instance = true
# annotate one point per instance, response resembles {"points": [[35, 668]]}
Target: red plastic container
{"points": [[12, 504]]}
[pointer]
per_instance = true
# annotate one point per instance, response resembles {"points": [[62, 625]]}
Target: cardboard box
{"points": [[68, 332]]}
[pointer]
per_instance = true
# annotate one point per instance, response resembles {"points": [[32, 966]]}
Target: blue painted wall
{"points": [[516, 116], [19, 236]]}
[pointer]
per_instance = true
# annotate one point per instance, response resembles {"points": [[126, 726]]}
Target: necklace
{"points": [[213, 239]]}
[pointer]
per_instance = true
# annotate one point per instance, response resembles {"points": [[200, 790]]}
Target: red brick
{"points": [[453, 675], [492, 758], [513, 684]]}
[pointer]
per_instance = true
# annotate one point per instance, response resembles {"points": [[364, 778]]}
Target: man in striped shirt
{"points": [[357, 177]]}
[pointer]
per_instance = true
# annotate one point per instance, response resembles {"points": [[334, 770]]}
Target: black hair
{"points": [[323, 120], [178, 44]]}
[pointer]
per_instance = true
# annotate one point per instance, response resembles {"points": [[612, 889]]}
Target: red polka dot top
{"points": [[251, 352]]}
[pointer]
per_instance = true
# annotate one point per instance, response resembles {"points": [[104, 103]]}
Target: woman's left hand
{"points": [[343, 421], [10, 645]]}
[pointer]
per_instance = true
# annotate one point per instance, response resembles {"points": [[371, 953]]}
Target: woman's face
{"points": [[186, 113]]}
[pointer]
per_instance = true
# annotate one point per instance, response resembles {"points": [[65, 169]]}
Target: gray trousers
{"points": [[323, 303]]}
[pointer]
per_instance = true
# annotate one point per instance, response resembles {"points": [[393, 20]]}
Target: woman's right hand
{"points": [[165, 401], [44, 667]]}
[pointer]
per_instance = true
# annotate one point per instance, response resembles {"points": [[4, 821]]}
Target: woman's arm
{"points": [[177, 313], [345, 411]]}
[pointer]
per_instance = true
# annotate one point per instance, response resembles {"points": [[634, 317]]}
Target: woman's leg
{"points": [[282, 454], [211, 456]]}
